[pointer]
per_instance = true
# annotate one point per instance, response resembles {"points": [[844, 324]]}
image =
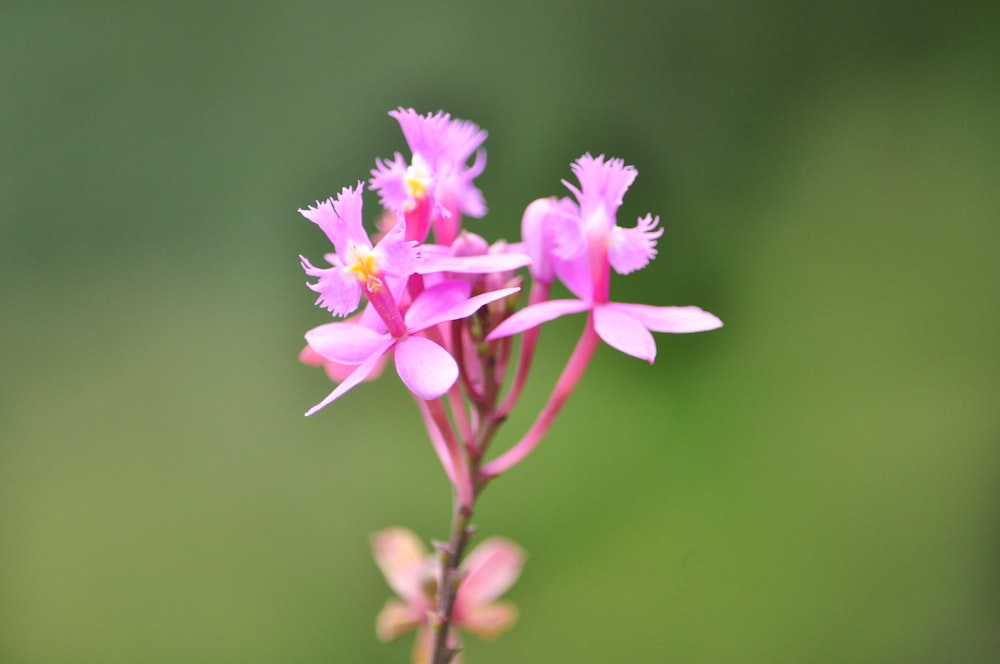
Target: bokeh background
{"points": [[816, 481]]}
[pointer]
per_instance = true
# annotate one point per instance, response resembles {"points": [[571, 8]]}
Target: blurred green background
{"points": [[814, 482]]}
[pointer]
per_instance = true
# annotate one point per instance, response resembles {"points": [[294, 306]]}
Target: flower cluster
{"points": [[446, 313]]}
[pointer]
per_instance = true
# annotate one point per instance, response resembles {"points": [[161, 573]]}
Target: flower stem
{"points": [[464, 492], [539, 293], [451, 558], [570, 376]]}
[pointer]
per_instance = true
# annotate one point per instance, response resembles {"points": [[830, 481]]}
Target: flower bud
{"points": [[538, 226]]}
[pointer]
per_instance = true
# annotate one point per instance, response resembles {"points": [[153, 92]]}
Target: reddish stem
{"points": [[570, 376]]}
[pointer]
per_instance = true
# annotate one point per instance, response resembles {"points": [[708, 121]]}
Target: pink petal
{"points": [[323, 216], [482, 264], [535, 315], [631, 249], [669, 319], [397, 255], [435, 299], [463, 309], [423, 646], [469, 199], [602, 183], [349, 343], [625, 333], [488, 621], [339, 292], [340, 219], [575, 275], [358, 375], [404, 562], [308, 356], [568, 237], [336, 371], [426, 369], [441, 140], [396, 619], [389, 179], [348, 208], [492, 568], [467, 244], [550, 227], [537, 236]]}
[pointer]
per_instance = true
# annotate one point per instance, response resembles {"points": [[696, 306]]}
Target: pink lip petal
{"points": [[535, 315], [623, 332], [669, 319], [358, 375], [340, 219], [338, 292], [631, 249], [348, 208], [348, 343], [323, 216], [425, 368], [401, 256], [602, 183], [439, 138], [389, 180]]}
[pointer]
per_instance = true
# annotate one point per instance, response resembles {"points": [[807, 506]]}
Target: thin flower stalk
{"points": [[571, 375]]}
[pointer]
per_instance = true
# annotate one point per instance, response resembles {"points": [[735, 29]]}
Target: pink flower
{"points": [[435, 187], [424, 367], [489, 570], [357, 265], [582, 243]]}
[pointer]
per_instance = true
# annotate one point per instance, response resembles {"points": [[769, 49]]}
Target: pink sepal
{"points": [[395, 619], [356, 376], [348, 343], [482, 264], [491, 569], [625, 333], [425, 368], [401, 556], [463, 309], [434, 300], [631, 249], [669, 319], [535, 315]]}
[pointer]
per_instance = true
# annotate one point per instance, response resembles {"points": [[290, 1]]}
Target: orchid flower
{"points": [[487, 572], [424, 367], [583, 244], [357, 265], [435, 187], [380, 272]]}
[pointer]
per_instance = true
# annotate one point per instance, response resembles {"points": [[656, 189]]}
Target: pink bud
{"points": [[538, 230]]}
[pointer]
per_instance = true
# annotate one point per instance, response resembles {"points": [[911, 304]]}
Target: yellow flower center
{"points": [[417, 180], [362, 264]]}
